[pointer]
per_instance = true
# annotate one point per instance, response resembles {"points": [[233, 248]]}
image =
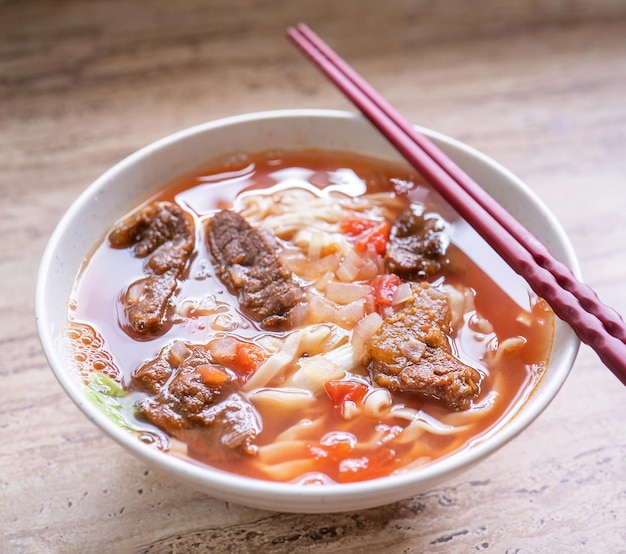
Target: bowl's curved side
{"points": [[135, 178]]}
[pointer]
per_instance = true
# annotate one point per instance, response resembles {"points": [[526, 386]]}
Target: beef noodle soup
{"points": [[304, 317]]}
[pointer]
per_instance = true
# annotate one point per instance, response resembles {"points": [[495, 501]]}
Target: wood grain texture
{"points": [[537, 84]]}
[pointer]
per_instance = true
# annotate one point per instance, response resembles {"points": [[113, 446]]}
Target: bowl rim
{"points": [[242, 489]]}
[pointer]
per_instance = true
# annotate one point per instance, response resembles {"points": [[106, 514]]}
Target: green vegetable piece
{"points": [[104, 393]]}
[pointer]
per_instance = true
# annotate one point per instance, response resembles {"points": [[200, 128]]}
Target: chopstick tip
{"points": [[293, 31], [298, 28]]}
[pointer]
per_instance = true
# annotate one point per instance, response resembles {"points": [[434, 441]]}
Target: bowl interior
{"points": [[136, 177]]}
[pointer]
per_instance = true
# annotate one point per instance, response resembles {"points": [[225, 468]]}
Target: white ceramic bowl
{"points": [[131, 180]]}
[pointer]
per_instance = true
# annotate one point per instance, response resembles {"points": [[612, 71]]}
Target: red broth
{"points": [[505, 331]]}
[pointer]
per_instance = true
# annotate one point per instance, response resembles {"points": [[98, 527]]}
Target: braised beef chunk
{"points": [[163, 234], [230, 428], [145, 302], [154, 374], [193, 396], [181, 366], [158, 224], [249, 266], [410, 352], [417, 245]]}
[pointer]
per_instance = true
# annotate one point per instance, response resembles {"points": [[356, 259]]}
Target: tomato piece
{"points": [[247, 358], [353, 226], [384, 288], [243, 358], [377, 236], [366, 232], [212, 376], [342, 390]]}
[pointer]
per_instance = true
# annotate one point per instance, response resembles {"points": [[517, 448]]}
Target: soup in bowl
{"points": [[278, 309]]}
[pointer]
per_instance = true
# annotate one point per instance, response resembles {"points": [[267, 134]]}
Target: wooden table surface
{"points": [[540, 85]]}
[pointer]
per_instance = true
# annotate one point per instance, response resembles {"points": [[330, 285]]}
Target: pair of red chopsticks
{"points": [[596, 324]]}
